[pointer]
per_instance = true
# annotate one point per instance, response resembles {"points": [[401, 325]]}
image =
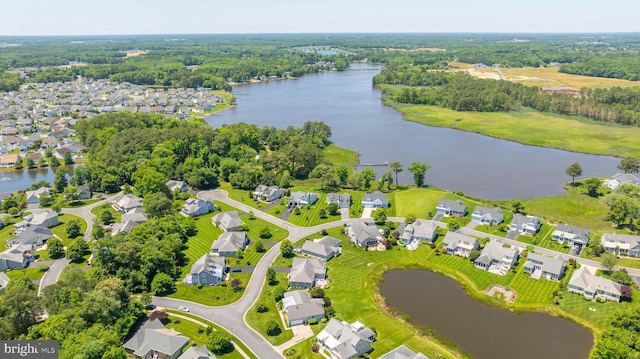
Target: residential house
{"points": [[460, 244], [496, 257], [345, 341], [621, 244], [268, 193], [123, 227], [200, 352], [196, 207], [542, 266], [227, 221], [174, 185], [43, 218], [207, 270], [420, 230], [135, 215], [9, 160], [616, 181], [84, 192], [126, 202], [584, 282], [525, 224], [571, 234], [364, 234], [300, 307], [451, 208], [4, 281], [17, 257], [402, 352], [153, 340], [375, 200], [34, 236], [342, 199], [34, 196], [229, 243], [303, 198], [484, 215], [305, 271], [324, 248]]}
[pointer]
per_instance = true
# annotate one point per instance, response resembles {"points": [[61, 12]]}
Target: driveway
{"points": [[437, 217], [512, 235], [271, 205], [344, 213], [472, 225], [366, 212], [575, 250]]}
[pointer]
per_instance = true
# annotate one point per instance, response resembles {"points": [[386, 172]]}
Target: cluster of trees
{"points": [[625, 67], [621, 338], [90, 317], [463, 92]]}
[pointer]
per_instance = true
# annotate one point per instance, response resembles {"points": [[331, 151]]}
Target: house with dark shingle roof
{"points": [[153, 340], [571, 234], [542, 266]]}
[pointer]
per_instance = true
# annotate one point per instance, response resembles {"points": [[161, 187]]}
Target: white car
{"points": [[183, 309]]}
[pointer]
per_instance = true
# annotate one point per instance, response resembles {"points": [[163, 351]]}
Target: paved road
{"points": [[51, 276]]}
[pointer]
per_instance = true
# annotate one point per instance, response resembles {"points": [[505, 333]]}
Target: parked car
{"points": [[183, 309], [236, 269]]}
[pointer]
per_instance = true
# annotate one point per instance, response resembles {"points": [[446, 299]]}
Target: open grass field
{"points": [[97, 211], [258, 321], [32, 272], [576, 305], [234, 354], [60, 231], [214, 296], [310, 215], [339, 156], [422, 202], [533, 128], [545, 76]]}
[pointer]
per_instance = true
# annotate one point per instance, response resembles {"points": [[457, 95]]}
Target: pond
{"points": [[480, 329], [18, 180], [477, 165]]}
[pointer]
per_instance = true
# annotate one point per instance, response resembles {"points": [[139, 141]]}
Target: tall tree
{"points": [[574, 170], [158, 205], [629, 165], [609, 260], [365, 177], [396, 167], [60, 180], [418, 169]]}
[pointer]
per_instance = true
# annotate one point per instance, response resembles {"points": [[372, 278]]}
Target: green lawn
{"points": [[356, 207], [31, 272], [303, 349], [218, 295], [310, 215], [575, 304], [258, 321], [339, 156], [60, 231], [97, 211], [195, 332], [233, 355], [200, 244], [422, 201], [81, 203], [531, 127]]}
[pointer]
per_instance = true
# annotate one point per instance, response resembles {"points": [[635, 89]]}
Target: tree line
{"points": [[463, 92]]}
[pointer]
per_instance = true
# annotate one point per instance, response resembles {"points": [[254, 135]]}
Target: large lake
{"points": [[460, 161], [482, 330]]}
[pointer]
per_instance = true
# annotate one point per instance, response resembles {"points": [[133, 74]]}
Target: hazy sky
{"points": [[99, 17]]}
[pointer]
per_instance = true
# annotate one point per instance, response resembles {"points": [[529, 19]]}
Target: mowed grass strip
{"points": [[258, 321], [221, 294], [531, 127], [310, 215]]}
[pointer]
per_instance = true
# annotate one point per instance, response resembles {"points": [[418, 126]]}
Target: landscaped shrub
{"points": [[273, 328], [313, 321], [262, 308]]}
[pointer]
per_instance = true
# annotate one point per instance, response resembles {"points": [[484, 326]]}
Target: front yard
{"points": [[258, 321]]}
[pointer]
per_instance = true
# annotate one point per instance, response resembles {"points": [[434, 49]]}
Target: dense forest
{"points": [[462, 92], [215, 60]]}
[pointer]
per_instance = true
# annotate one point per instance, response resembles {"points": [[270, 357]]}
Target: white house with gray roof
{"points": [[364, 234], [495, 257], [35, 236], [299, 307], [229, 243], [268, 193], [460, 244], [616, 181], [621, 244], [227, 221], [402, 352], [451, 208], [484, 215], [538, 266], [525, 224], [376, 199], [43, 218], [571, 234], [342, 199], [584, 282], [126, 202], [123, 227], [153, 340], [345, 341], [324, 248], [34, 196], [17, 257], [420, 230], [207, 270], [303, 198], [196, 207], [305, 271], [175, 185]]}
